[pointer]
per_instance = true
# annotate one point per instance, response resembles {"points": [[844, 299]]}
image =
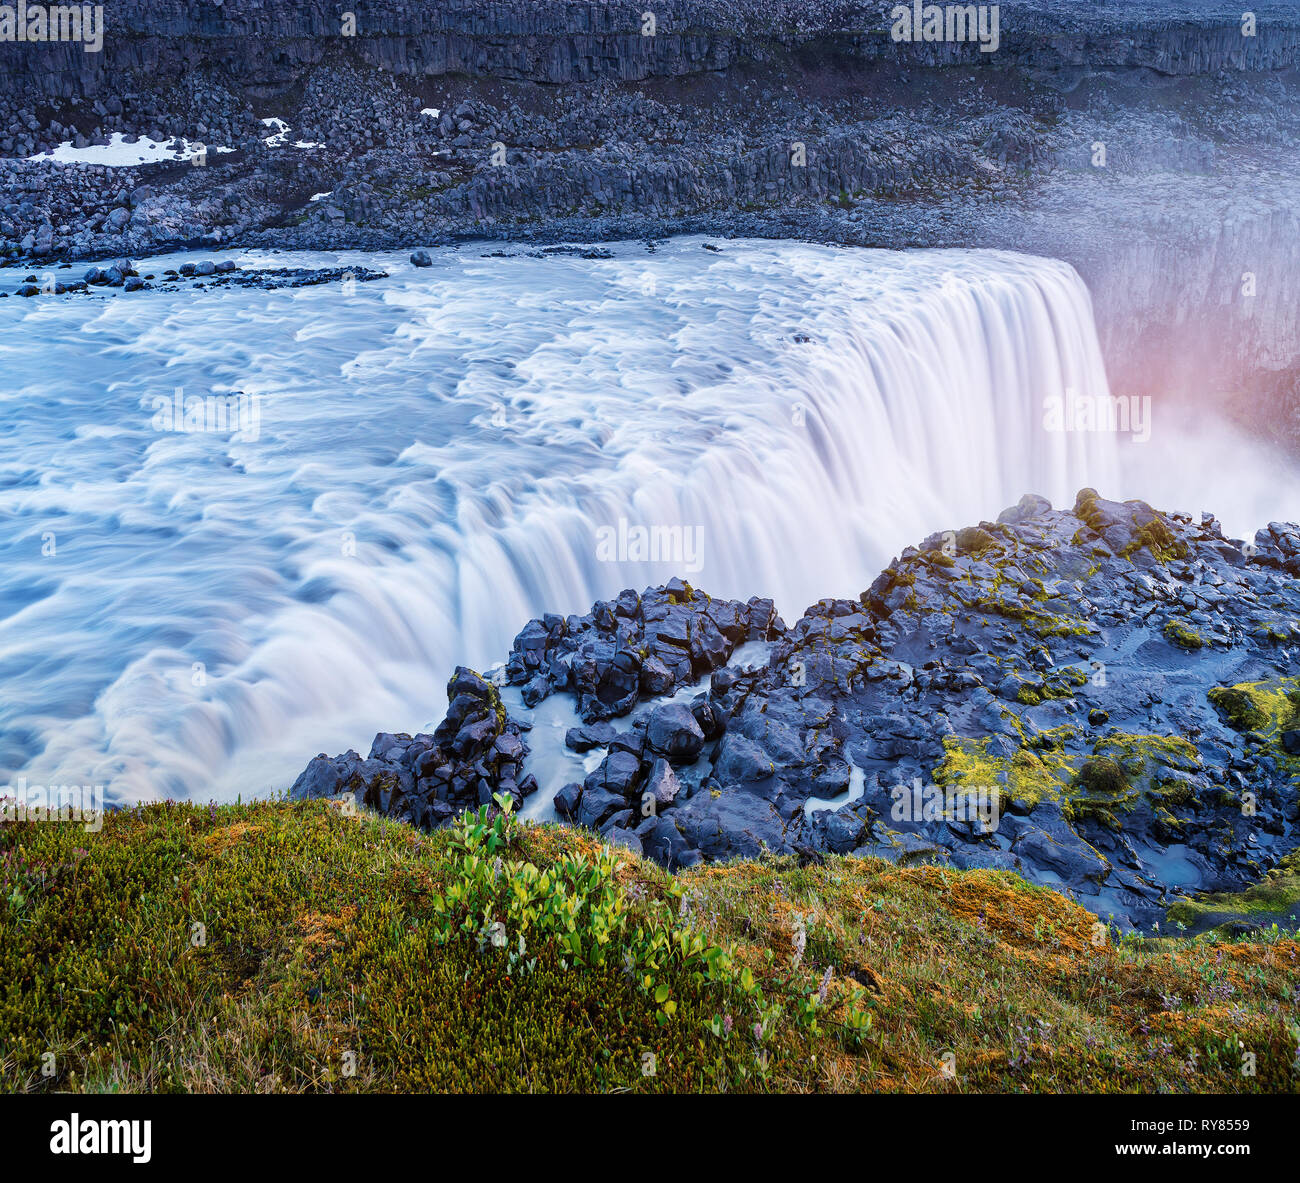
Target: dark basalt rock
{"points": [[674, 732], [1022, 700], [477, 751], [215, 275]]}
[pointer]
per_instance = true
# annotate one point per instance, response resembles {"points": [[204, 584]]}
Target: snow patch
{"points": [[280, 136], [117, 153]]}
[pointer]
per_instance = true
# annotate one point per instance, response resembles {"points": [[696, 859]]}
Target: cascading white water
{"points": [[196, 614]]}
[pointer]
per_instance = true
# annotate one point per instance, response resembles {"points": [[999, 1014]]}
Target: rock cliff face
{"points": [[1153, 146], [583, 41], [1102, 699]]}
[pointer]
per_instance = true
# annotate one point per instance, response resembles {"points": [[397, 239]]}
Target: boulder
{"points": [[673, 731]]}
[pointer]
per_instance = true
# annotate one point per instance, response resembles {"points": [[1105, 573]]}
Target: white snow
{"points": [[279, 137], [119, 154]]}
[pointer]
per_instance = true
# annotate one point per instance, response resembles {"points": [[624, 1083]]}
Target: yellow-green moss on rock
{"points": [[1122, 770], [1183, 635], [1277, 894]]}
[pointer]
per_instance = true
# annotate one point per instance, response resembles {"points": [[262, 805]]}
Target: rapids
{"points": [[437, 456]]}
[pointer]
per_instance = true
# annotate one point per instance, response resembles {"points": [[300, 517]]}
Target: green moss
{"points": [[1062, 683], [1053, 739], [1061, 626], [1156, 536], [1183, 635], [1141, 754], [1268, 707], [975, 541], [1153, 535], [1277, 893], [1028, 777], [1007, 609], [1100, 774], [1122, 770], [1277, 632], [1238, 708], [1042, 624]]}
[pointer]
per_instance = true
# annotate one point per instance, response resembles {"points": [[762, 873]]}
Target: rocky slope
{"points": [[1103, 699]]}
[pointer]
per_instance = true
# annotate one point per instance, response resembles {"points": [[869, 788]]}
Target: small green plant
{"points": [[576, 913]]}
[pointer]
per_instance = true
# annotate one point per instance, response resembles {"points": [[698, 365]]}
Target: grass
{"points": [[293, 947]]}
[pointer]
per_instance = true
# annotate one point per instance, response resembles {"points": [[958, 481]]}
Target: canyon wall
{"points": [[269, 46]]}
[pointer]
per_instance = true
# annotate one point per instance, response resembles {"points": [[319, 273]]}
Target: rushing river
{"points": [[423, 462]]}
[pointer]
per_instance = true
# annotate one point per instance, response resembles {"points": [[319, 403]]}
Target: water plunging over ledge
{"points": [[441, 455]]}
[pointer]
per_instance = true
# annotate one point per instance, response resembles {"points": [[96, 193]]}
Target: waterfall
{"points": [[446, 453]]}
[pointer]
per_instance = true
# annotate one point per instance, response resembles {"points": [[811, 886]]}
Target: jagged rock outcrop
{"points": [[475, 753], [1103, 699]]}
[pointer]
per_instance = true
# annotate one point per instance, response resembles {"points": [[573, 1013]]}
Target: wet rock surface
{"points": [[1102, 699], [474, 754]]}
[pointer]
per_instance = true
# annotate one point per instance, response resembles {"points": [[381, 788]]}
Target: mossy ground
{"points": [[318, 967], [1275, 897]]}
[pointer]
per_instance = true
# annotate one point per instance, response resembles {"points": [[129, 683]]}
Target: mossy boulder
{"points": [[1239, 709], [1183, 635], [1103, 776], [1129, 528]]}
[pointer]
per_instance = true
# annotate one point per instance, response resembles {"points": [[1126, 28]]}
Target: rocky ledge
{"points": [[1102, 699]]}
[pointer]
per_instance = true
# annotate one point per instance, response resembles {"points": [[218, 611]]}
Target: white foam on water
{"points": [[198, 614], [555, 765]]}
